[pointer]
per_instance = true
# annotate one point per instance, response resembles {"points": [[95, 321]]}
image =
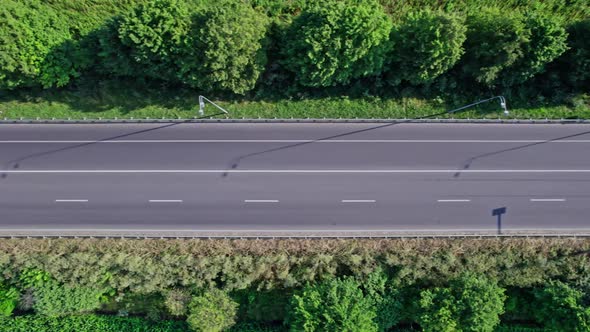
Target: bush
{"points": [[9, 297], [547, 41], [53, 299], [332, 306], [470, 304], [156, 35], [575, 63], [559, 308], [387, 300], [427, 44], [88, 323], [337, 41], [28, 33], [230, 40], [495, 41], [177, 302], [212, 311]]}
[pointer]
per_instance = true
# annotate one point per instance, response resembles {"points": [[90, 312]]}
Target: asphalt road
{"points": [[294, 177]]}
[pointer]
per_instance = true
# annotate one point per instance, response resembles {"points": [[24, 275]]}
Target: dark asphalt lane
{"points": [[413, 177]]}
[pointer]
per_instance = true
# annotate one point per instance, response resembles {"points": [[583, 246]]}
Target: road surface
{"points": [[294, 177]]}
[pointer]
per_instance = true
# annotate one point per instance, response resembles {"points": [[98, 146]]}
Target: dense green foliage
{"points": [[574, 66], [88, 323], [336, 42], [156, 34], [230, 42], [53, 299], [302, 285], [470, 303], [28, 34], [427, 44], [560, 308], [495, 41], [282, 50], [333, 305], [212, 311], [9, 297]]}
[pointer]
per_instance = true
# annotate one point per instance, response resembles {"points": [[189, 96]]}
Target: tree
{"points": [[156, 35], [332, 306], [212, 311], [230, 42], [470, 303], [559, 308], [495, 41], [574, 65], [427, 44], [387, 300], [337, 41], [54, 299], [28, 33], [176, 301], [8, 299], [547, 41]]}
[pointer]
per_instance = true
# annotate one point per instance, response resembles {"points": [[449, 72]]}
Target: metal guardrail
{"points": [[293, 237], [293, 120]]}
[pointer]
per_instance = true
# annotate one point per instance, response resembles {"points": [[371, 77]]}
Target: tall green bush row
{"points": [[356, 285], [224, 46]]}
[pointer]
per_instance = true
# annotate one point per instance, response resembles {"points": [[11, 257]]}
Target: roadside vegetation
{"points": [[295, 285], [302, 58]]}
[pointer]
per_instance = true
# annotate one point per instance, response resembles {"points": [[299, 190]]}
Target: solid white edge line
{"points": [[359, 201], [71, 200], [547, 200], [165, 201], [288, 141], [403, 171], [261, 201], [453, 200], [286, 230]]}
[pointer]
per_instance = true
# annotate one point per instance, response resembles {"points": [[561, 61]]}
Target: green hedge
{"points": [[88, 323], [435, 282], [224, 47]]}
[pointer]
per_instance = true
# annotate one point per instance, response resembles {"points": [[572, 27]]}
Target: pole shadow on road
{"points": [[17, 163], [467, 163]]}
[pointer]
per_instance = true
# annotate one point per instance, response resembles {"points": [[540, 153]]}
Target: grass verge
{"points": [[110, 101]]}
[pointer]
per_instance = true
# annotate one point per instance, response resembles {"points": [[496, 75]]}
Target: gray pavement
{"points": [[314, 178]]}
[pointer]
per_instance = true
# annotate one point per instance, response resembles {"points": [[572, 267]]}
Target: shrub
{"points": [[427, 44], [559, 308], [333, 305], [387, 300], [177, 302], [53, 299], [547, 41], [337, 41], [495, 41], [28, 33], [8, 299], [156, 35], [88, 323], [212, 311], [575, 63], [470, 304], [230, 41]]}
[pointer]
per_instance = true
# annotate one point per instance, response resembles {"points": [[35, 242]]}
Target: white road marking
{"points": [[71, 200], [261, 201], [285, 141], [344, 171], [287, 230], [358, 201], [547, 199], [453, 200], [165, 201]]}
